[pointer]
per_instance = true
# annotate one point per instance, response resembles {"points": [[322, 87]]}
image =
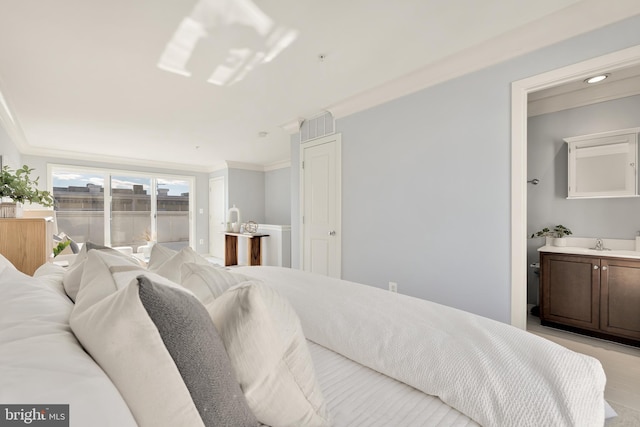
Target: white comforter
{"points": [[41, 361], [496, 374]]}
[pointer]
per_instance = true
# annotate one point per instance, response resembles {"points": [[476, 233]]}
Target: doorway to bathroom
{"points": [[520, 95]]}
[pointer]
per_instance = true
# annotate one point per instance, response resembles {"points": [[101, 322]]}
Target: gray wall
{"points": [[39, 163], [246, 191], [428, 177], [277, 196], [547, 204], [263, 197]]}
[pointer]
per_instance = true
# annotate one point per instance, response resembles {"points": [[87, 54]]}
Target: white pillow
{"points": [[41, 360], [73, 275], [104, 273], [51, 275], [207, 281], [4, 263], [170, 268], [159, 255], [115, 329], [264, 339]]}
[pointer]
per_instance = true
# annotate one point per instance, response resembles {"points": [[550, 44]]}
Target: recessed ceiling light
{"points": [[596, 79]]}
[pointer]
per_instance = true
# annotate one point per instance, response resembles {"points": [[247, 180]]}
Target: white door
{"points": [[321, 207], [216, 217]]}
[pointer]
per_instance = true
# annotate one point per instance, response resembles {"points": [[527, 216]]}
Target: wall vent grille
{"points": [[316, 127]]}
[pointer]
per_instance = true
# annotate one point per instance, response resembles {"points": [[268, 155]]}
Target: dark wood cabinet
{"points": [[620, 297], [598, 296]]}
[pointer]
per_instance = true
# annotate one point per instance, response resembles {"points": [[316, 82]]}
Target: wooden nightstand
{"points": [[26, 242]]}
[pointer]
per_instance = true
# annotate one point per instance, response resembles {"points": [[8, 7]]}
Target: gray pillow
{"points": [[199, 354]]}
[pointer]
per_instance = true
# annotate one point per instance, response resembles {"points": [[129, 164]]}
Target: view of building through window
{"points": [[141, 209]]}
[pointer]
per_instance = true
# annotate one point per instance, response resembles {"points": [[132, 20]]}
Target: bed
{"points": [[374, 358]]}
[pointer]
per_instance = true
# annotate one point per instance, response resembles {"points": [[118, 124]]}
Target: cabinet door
{"points": [[620, 297], [570, 290]]}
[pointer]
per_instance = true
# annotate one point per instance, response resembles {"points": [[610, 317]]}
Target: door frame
{"points": [[519, 94], [337, 137]]}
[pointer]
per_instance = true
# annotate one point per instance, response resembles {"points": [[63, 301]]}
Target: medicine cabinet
{"points": [[603, 164]]}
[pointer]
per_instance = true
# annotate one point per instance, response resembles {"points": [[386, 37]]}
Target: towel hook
{"points": [[534, 181]]}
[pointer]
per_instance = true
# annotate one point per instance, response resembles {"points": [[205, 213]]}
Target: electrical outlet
{"points": [[393, 287], [202, 241]]}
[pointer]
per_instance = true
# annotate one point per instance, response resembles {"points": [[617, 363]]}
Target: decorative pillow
{"points": [[170, 268], [207, 281], [264, 339], [73, 275], [105, 272], [199, 354], [74, 246], [112, 323], [159, 255]]}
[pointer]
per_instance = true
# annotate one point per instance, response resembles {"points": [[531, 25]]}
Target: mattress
{"points": [[359, 396]]}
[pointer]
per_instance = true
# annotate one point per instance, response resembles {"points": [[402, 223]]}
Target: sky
{"points": [[66, 179]]}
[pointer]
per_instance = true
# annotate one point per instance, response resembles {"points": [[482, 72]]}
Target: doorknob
{"points": [[332, 233]]}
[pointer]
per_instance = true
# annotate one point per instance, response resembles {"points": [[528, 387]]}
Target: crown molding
{"points": [[10, 123], [277, 165], [105, 158], [244, 166], [292, 126]]}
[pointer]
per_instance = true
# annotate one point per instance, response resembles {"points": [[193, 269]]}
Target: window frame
{"points": [[108, 173]]}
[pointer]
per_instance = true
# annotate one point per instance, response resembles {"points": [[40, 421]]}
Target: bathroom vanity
{"points": [[594, 292]]}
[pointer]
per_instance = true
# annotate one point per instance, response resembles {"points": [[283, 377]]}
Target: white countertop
{"points": [[576, 250]]}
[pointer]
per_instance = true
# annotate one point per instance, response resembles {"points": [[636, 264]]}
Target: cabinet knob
{"points": [[604, 268], [595, 267], [332, 233]]}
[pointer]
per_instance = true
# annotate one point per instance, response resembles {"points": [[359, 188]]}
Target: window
{"points": [[122, 208]]}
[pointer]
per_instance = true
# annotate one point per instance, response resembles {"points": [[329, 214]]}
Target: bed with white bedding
{"points": [[493, 373], [379, 359], [359, 396]]}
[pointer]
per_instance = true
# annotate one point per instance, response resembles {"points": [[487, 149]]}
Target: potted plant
{"points": [[18, 187], [558, 233]]}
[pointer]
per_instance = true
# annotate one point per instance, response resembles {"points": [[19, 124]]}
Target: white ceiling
{"points": [[81, 78]]}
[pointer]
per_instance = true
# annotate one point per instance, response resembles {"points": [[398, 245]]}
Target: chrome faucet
{"points": [[599, 245]]}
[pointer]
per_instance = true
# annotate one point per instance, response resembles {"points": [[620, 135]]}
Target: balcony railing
{"points": [[127, 228]]}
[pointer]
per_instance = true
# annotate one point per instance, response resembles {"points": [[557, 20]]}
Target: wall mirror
{"points": [[603, 164]]}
